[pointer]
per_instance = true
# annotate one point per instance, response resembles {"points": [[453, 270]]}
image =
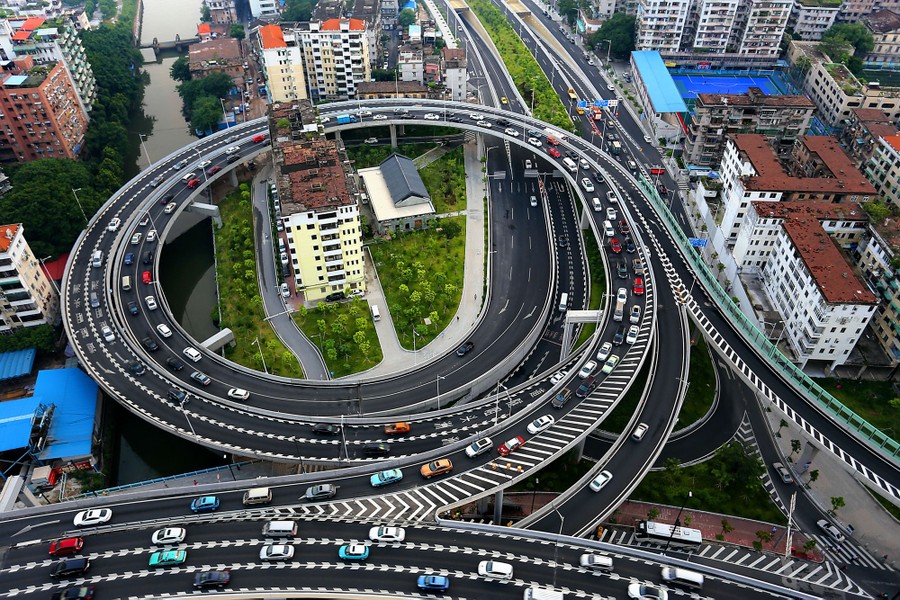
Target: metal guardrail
{"points": [[875, 438], [128, 486]]}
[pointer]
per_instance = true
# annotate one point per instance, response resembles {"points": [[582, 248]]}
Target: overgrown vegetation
{"points": [[702, 389], [239, 299], [445, 180], [522, 67], [874, 401], [366, 156], [598, 284], [728, 483], [40, 337], [344, 333], [619, 32], [847, 43], [201, 98]]}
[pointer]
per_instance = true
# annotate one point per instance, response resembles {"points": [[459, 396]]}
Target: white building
{"points": [[282, 62], [27, 296], [660, 25], [810, 19], [337, 57], [31, 8], [454, 67], [877, 255], [264, 9], [410, 64]]}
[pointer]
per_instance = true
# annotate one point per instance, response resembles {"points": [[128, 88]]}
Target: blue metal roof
{"points": [[15, 422], [664, 96], [72, 427], [16, 364]]}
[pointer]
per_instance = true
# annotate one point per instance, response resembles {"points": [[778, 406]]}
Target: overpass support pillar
{"points": [[566, 341], [209, 210], [498, 507], [393, 136], [337, 136], [580, 448], [585, 218], [233, 178]]}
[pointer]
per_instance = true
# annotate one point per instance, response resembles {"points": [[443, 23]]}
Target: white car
{"points": [[164, 330], [107, 333], [232, 150], [432, 117], [151, 235], [635, 314], [611, 196], [558, 376], [595, 203], [587, 185], [831, 530], [611, 214], [648, 139], [276, 552], [284, 258], [511, 131], [533, 201], [204, 164], [371, 140], [639, 431], [479, 447], [486, 124], [493, 569], [475, 116], [601, 480], [285, 291], [783, 472], [151, 303], [95, 516], [364, 113], [604, 351], [238, 394], [169, 535], [540, 424], [622, 295], [534, 142], [114, 224], [611, 87], [640, 591], [380, 118], [632, 336], [170, 208], [387, 534], [587, 369], [136, 238]]}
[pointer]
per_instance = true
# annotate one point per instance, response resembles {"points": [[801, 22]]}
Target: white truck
{"points": [[539, 593]]}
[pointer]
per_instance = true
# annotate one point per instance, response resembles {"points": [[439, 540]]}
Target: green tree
{"points": [[569, 9], [237, 31], [727, 527], [298, 10], [619, 30], [406, 17], [204, 13], [205, 113], [40, 337], [384, 74], [796, 446], [837, 502], [180, 69]]}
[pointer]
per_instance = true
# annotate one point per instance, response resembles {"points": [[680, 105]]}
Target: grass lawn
{"points": [[372, 156], [422, 275], [598, 284], [702, 389], [445, 180], [239, 299], [345, 334], [870, 400]]}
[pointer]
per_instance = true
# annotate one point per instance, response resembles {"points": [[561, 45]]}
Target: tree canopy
{"points": [[569, 9], [847, 43], [180, 69], [406, 17], [298, 10], [619, 30], [237, 31]]}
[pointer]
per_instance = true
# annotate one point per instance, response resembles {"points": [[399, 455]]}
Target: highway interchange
{"points": [[277, 421]]}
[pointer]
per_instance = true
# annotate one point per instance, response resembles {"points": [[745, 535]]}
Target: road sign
{"points": [[581, 104], [698, 242], [612, 102], [601, 103]]}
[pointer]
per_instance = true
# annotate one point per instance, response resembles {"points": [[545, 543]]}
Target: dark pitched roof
{"points": [[403, 180]]}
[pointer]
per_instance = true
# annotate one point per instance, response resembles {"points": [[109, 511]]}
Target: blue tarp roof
{"points": [[75, 396], [16, 364], [660, 87], [15, 422]]}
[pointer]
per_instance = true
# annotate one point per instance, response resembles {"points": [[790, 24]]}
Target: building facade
{"points": [[265, 9], [222, 12], [878, 256], [42, 116], [410, 64], [781, 119], [885, 28], [282, 61], [336, 55], [852, 11], [454, 66], [811, 18], [27, 296], [373, 90], [883, 169], [861, 133]]}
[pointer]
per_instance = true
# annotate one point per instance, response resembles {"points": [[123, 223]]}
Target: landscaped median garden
{"points": [[240, 304], [344, 333]]}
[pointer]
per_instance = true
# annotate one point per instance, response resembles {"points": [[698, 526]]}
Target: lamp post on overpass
{"points": [[261, 355], [608, 48], [677, 520]]}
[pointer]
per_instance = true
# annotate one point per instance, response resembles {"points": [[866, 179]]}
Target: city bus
{"points": [[661, 533]]}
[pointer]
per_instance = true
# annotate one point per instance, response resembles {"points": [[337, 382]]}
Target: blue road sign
{"points": [[697, 242], [601, 103]]}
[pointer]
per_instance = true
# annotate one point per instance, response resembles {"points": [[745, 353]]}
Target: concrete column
{"points": [[393, 136], [580, 447], [498, 507], [337, 136], [585, 218], [233, 178]]}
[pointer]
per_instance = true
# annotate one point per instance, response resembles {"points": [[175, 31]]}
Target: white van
{"points": [[260, 495], [280, 529], [126, 283], [682, 578], [564, 302], [97, 259], [376, 316], [595, 203], [584, 163], [619, 312], [570, 164], [192, 354], [539, 593], [608, 230]]}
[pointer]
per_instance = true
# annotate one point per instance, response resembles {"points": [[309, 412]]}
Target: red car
{"points": [[193, 183], [214, 170], [615, 246], [147, 277], [553, 152], [623, 227], [70, 545], [638, 286], [511, 445]]}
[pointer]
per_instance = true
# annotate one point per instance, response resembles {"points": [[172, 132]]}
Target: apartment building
{"points": [[27, 296], [781, 119], [220, 55], [389, 11], [454, 67], [817, 169], [282, 61], [32, 8], [861, 133], [851, 11], [409, 63], [265, 9], [336, 54], [714, 32], [836, 91], [795, 247], [883, 169], [41, 113], [885, 28], [222, 12], [878, 257], [811, 18], [49, 42], [319, 209]]}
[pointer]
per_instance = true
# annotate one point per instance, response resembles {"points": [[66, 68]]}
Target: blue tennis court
{"points": [[691, 85]]}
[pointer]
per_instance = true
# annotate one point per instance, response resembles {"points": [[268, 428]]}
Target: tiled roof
{"points": [[335, 24], [271, 36], [7, 234]]}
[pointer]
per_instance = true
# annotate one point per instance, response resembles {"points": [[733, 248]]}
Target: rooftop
{"points": [[403, 180], [844, 78], [754, 97], [271, 36], [659, 84], [227, 49], [893, 141], [871, 115], [821, 3], [889, 230], [771, 176], [336, 25], [311, 176], [7, 233], [882, 21], [390, 87]]}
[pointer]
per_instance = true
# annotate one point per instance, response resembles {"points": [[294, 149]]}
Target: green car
{"points": [[167, 558]]}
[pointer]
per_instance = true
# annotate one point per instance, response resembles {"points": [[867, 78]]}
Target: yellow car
{"points": [[436, 467], [503, 100]]}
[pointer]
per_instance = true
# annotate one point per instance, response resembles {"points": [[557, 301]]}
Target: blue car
{"points": [[354, 552], [433, 583], [129, 258], [205, 504], [386, 477]]}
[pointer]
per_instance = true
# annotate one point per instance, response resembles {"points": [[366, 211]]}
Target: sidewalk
{"points": [[397, 358]]}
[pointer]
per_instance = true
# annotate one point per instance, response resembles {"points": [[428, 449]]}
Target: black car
{"points": [[629, 246], [233, 159], [78, 592], [70, 566], [376, 449], [326, 429], [174, 364], [150, 344], [619, 337], [663, 190], [167, 198], [334, 297], [585, 388], [137, 368], [212, 579], [622, 270], [561, 242], [455, 119], [176, 395], [465, 348], [133, 308], [503, 123], [148, 258], [598, 177]]}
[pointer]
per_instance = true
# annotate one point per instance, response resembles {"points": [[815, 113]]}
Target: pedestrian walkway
{"points": [[432, 155]]}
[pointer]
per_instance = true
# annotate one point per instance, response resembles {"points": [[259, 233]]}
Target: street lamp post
{"points": [[230, 470], [677, 520], [142, 137], [562, 521], [437, 382], [261, 355], [74, 190]]}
